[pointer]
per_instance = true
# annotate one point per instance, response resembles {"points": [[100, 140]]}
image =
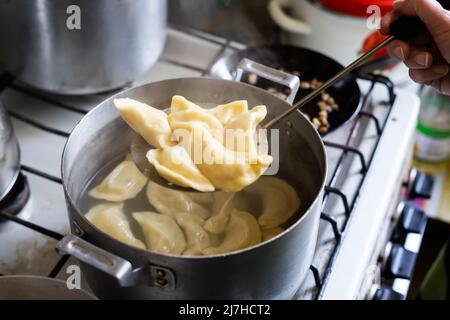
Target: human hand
{"points": [[428, 55]]}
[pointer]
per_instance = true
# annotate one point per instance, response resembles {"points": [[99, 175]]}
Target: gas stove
{"points": [[369, 162]]}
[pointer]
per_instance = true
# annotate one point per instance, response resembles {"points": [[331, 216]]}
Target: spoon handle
{"points": [[306, 99]]}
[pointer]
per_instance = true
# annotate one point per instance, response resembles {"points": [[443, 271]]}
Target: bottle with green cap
{"points": [[433, 128]]}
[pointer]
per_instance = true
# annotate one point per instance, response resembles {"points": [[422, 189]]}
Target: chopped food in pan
{"points": [[326, 105]]}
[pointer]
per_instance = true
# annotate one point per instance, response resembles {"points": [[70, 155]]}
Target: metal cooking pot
{"points": [[45, 45], [270, 270], [9, 154], [38, 288]]}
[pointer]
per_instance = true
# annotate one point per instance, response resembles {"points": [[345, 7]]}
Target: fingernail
{"points": [[422, 60], [398, 53], [440, 69]]}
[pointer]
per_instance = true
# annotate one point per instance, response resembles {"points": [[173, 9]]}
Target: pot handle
{"points": [[117, 267], [96, 257], [277, 76], [284, 21]]}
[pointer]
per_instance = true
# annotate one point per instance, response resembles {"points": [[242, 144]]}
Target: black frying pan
{"points": [[311, 65]]}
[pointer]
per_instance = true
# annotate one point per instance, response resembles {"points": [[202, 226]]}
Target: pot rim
{"points": [[222, 255]]}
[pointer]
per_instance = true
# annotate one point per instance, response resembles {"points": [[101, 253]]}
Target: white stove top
{"points": [[187, 54]]}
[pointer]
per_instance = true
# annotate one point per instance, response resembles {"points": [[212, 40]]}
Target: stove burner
{"points": [[16, 199]]}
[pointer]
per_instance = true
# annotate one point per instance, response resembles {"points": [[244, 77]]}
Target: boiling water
{"points": [[141, 203]]}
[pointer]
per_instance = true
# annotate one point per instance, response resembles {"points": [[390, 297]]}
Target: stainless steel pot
{"points": [[117, 40], [270, 270], [38, 288], [9, 154]]}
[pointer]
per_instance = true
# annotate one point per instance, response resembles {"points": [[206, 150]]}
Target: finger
{"points": [[429, 11], [419, 58], [405, 8], [436, 72], [386, 22], [441, 51], [442, 85], [399, 50]]}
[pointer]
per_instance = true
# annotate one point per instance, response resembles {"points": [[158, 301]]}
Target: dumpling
{"points": [[123, 183], [241, 133], [279, 201], [268, 234], [109, 218], [197, 238], [185, 115], [226, 113], [215, 239], [147, 121], [203, 198], [186, 118], [175, 165], [226, 169], [170, 202], [183, 122], [221, 212], [162, 234], [242, 231], [180, 103], [224, 203]]}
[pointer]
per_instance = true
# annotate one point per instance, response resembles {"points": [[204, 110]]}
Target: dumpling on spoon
{"points": [[162, 234], [226, 113], [147, 121], [279, 201], [185, 115], [171, 202], [123, 183], [228, 170], [186, 118], [175, 165], [242, 231], [241, 133], [200, 160], [180, 103], [110, 219]]}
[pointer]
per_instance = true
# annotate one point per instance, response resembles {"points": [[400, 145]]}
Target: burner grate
{"points": [[347, 151], [365, 165], [17, 197]]}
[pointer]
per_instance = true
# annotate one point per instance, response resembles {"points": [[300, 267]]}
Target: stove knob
{"points": [[387, 293], [420, 186], [412, 219], [400, 263]]}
